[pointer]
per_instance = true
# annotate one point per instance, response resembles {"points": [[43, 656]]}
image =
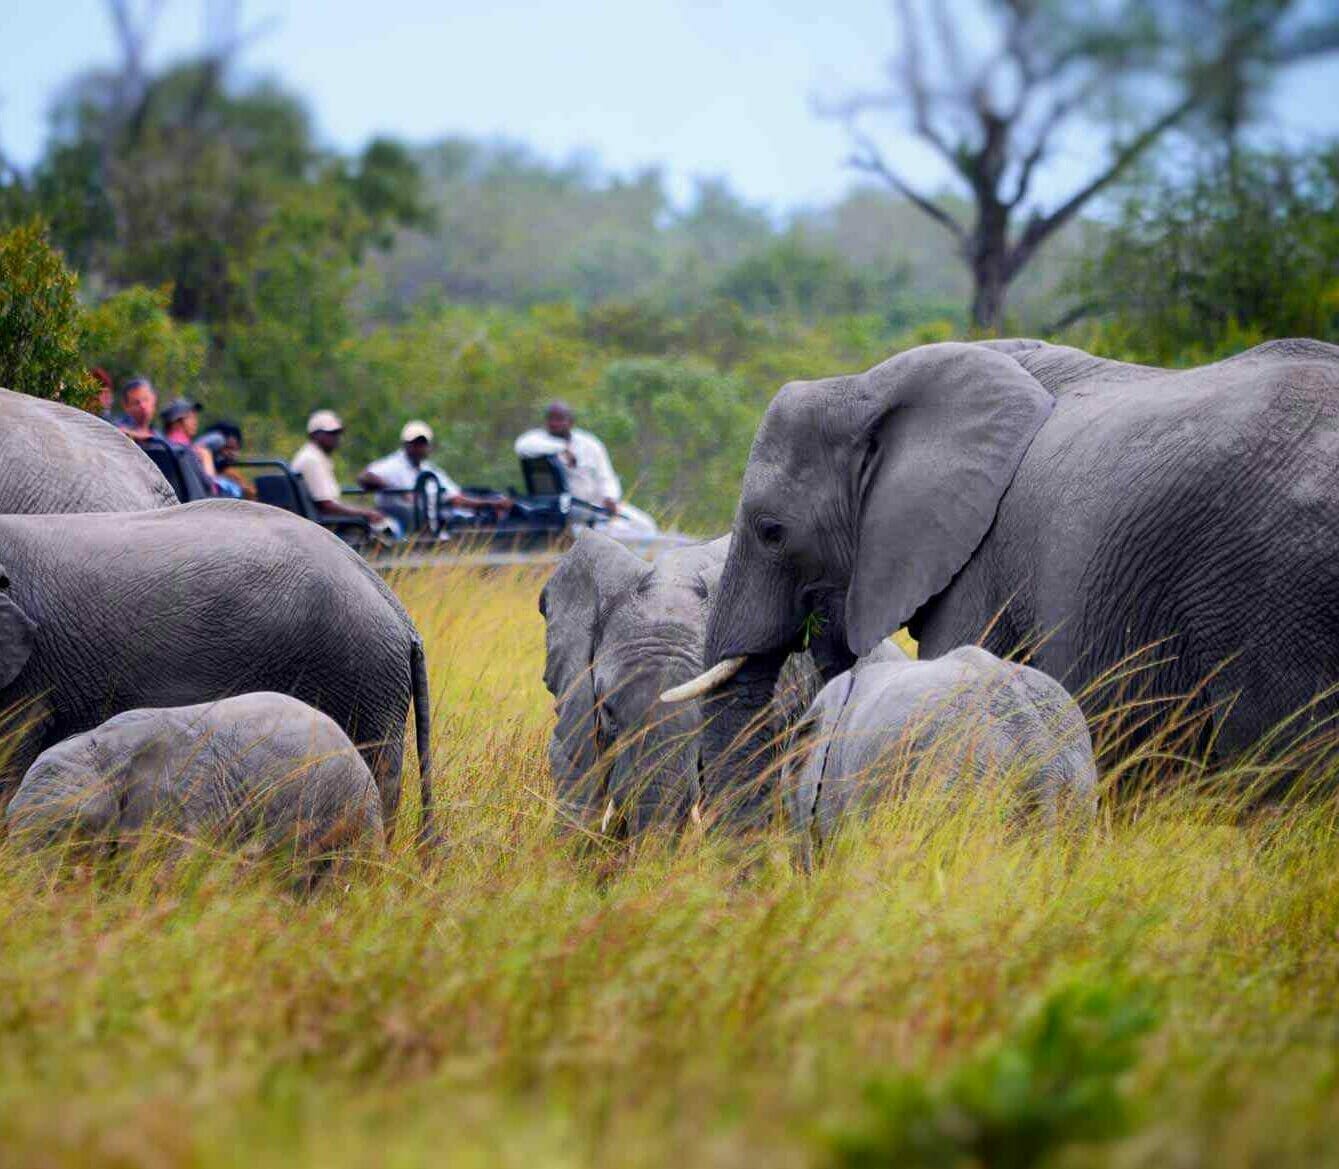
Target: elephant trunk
{"points": [[654, 780], [738, 744]]}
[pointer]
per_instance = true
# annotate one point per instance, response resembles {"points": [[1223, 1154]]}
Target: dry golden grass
{"points": [[531, 1001]]}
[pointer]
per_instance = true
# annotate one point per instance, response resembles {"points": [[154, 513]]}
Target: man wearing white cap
{"points": [[395, 476], [313, 463]]}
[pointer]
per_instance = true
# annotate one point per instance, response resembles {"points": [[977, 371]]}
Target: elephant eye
{"points": [[770, 532]]}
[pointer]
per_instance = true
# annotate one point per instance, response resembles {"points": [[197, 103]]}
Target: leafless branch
{"points": [[949, 44], [1312, 40], [1061, 110], [1042, 227], [869, 160], [918, 91]]}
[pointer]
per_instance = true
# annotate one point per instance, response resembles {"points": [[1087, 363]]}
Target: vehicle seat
{"points": [[544, 475], [285, 489], [183, 475]]}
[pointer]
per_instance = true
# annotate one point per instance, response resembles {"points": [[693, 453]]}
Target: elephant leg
{"points": [[385, 760]]}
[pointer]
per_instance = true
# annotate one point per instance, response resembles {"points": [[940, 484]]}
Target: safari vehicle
{"points": [[538, 519]]}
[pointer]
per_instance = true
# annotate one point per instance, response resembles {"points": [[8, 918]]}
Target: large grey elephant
{"points": [[965, 717], [619, 631], [102, 614], [57, 459], [1029, 495], [261, 769]]}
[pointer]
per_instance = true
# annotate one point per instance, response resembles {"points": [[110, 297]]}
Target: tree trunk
{"points": [[988, 294], [990, 263]]}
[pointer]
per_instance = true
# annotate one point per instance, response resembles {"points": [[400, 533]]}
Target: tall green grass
{"points": [[1161, 988]]}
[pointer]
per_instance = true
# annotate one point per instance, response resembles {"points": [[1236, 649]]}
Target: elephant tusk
{"points": [[608, 817], [705, 683]]}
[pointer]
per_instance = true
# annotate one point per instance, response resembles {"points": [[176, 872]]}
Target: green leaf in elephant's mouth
{"points": [[811, 627]]}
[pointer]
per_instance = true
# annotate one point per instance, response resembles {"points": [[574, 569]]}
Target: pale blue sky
{"points": [[704, 87]]}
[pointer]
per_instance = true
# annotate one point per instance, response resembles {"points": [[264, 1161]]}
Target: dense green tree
{"points": [[679, 430], [181, 185], [1244, 248], [792, 277], [39, 319], [132, 332]]}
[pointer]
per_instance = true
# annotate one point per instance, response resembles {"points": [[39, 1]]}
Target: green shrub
{"points": [[679, 433], [39, 319], [132, 332], [1197, 269], [1052, 1081]]}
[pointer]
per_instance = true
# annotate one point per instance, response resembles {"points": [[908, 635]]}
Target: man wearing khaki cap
{"points": [[313, 463], [395, 476]]}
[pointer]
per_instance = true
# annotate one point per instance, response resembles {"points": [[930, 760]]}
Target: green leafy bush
{"points": [[680, 431], [39, 319], [1052, 1081], [132, 332], [1197, 269]]}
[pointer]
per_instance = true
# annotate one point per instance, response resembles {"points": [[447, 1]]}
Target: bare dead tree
{"points": [[998, 116], [133, 30]]}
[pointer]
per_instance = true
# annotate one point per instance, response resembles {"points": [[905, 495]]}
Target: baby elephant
{"points": [[966, 715], [262, 769]]}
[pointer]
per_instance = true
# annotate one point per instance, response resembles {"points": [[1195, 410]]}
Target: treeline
{"points": [[223, 253], [508, 227]]}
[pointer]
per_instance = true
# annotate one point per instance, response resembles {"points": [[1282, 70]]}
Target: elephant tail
{"points": [[418, 669]]}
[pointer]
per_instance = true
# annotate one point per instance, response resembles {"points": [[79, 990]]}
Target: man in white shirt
{"points": [[313, 463], [394, 477], [590, 474]]}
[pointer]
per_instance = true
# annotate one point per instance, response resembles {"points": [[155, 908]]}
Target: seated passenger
{"points": [[313, 463], [106, 396], [394, 478], [223, 440], [181, 423], [590, 474], [140, 403]]}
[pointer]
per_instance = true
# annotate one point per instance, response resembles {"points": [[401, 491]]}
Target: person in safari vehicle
{"points": [[590, 474], [394, 478]]}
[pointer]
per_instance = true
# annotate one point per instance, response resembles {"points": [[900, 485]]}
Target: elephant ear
{"points": [[18, 635], [947, 428], [595, 570]]}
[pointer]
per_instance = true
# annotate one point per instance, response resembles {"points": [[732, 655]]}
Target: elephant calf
{"points": [[964, 716], [258, 768]]}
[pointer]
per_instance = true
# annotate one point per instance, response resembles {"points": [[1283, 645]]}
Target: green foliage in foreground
{"points": [[39, 319], [1163, 989], [1050, 1080]]}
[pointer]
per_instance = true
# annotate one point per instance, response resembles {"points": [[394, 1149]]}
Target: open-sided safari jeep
{"points": [[540, 516]]}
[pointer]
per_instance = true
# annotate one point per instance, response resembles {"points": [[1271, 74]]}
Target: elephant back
{"points": [[55, 459]]}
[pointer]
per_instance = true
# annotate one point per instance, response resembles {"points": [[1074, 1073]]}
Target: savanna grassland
{"points": [[1160, 990]]}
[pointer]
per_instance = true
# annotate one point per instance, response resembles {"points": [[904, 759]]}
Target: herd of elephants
{"points": [[1144, 538]]}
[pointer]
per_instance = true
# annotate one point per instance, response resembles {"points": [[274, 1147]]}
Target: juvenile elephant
{"points": [[262, 768], [57, 459], [103, 614], [965, 716], [1023, 494], [619, 631]]}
